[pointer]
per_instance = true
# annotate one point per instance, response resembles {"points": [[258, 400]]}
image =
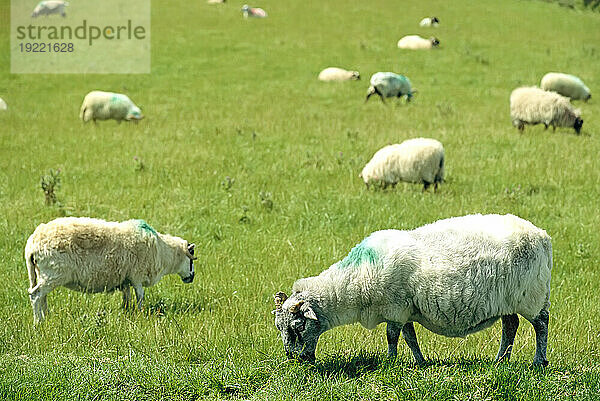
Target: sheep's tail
{"points": [[438, 176], [31, 271]]}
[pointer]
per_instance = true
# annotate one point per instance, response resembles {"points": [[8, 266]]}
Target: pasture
{"points": [[246, 154]]}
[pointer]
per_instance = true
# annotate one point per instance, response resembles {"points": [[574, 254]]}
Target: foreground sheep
{"points": [[92, 255], [389, 84], [455, 277], [429, 22], [415, 42], [338, 74], [3, 105], [49, 8], [414, 160], [98, 105], [531, 105], [566, 85], [253, 12]]}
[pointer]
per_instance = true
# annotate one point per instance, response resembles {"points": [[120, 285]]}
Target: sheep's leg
{"points": [[39, 304], [510, 323], [408, 332], [393, 333], [540, 325], [126, 297], [426, 185], [545, 126], [139, 295]]}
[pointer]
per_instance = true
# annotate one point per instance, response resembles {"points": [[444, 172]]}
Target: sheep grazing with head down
{"points": [[253, 12], [415, 42], [338, 74], [455, 277], [93, 255], [98, 105], [3, 105], [389, 84], [429, 22], [418, 160], [566, 85], [531, 105], [50, 7]]}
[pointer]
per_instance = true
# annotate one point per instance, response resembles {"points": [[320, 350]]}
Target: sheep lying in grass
{"points": [[3, 105], [92, 255], [338, 74], [415, 42], [50, 7], [429, 22], [253, 12], [389, 84], [566, 85], [455, 277], [531, 105], [98, 105], [414, 160]]}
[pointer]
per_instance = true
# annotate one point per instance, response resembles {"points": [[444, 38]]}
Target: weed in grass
{"points": [[50, 183]]}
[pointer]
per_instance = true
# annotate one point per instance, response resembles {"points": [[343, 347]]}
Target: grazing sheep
{"points": [[50, 7], [389, 84], [414, 160], [429, 22], [531, 105], [455, 277], [415, 42], [98, 105], [215, 1], [3, 105], [253, 12], [566, 85], [92, 255], [338, 74]]}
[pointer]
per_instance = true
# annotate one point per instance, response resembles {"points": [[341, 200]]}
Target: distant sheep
{"points": [[566, 85], [389, 84], [3, 105], [415, 42], [98, 105], [429, 22], [92, 255], [216, 1], [50, 7], [419, 160], [531, 105], [338, 74], [455, 277], [253, 12]]}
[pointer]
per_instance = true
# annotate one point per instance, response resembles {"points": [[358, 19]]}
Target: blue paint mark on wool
{"points": [[145, 227], [361, 253]]}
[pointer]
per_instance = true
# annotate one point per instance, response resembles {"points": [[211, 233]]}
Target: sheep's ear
{"points": [[279, 299], [309, 313]]}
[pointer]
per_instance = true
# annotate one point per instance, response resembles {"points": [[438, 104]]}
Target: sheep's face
{"points": [[356, 75], [435, 42], [134, 114], [578, 124], [186, 269], [298, 325]]}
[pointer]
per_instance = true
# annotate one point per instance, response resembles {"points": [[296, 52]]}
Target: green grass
{"points": [[234, 112]]}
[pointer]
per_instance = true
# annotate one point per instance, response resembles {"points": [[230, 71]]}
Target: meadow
{"points": [[246, 154]]}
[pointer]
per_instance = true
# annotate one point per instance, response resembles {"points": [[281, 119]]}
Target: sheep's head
{"points": [[356, 75], [134, 114], [435, 42], [298, 324], [435, 20], [578, 124]]}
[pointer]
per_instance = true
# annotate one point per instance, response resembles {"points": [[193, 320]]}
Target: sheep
{"points": [[98, 105], [414, 160], [3, 105], [566, 85], [531, 105], [455, 277], [216, 1], [415, 42], [338, 74], [253, 12], [429, 22], [93, 255], [50, 7], [389, 84]]}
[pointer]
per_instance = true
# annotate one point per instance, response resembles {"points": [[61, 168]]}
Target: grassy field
{"points": [[246, 154]]}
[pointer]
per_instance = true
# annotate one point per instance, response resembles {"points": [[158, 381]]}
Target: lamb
{"points": [[455, 277], [98, 105], [389, 84], [50, 7], [253, 12], [566, 85], [414, 160], [415, 42], [338, 74], [3, 105], [429, 22], [531, 105], [93, 255]]}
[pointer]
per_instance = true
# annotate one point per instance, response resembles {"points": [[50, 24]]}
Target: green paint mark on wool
{"points": [[145, 227], [361, 253]]}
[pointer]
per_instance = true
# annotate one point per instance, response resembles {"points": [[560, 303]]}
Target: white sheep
{"points": [[455, 277], [338, 74], [216, 1], [429, 22], [50, 7], [531, 105], [566, 85], [415, 42], [253, 12], [414, 160], [389, 84], [92, 255], [98, 105], [3, 105]]}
